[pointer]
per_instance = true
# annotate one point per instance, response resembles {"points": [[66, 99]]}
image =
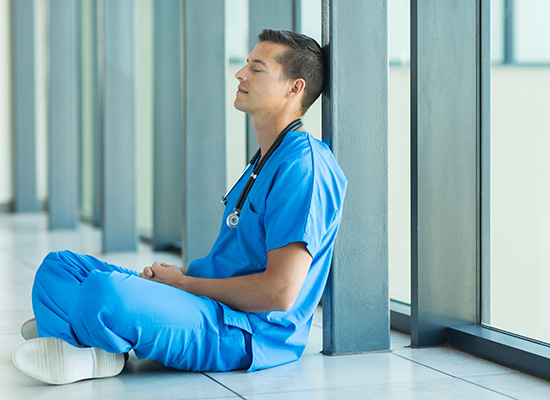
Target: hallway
{"points": [[402, 373]]}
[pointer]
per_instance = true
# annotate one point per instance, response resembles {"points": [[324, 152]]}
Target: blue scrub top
{"points": [[297, 197]]}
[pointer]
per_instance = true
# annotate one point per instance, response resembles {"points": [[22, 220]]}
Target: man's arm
{"points": [[274, 289]]}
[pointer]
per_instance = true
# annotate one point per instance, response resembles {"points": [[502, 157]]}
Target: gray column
{"points": [[24, 105], [97, 68], [63, 115], [444, 167], [168, 121], [355, 124], [262, 14], [204, 127], [119, 160]]}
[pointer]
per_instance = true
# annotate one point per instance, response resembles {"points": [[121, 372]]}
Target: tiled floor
{"points": [[402, 373]]}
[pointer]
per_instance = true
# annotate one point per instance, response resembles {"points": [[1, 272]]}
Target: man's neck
{"points": [[268, 129]]}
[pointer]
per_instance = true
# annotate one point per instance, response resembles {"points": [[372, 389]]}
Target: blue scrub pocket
{"points": [[251, 233], [236, 319]]}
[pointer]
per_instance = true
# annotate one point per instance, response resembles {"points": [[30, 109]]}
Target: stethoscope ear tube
{"points": [[232, 220], [251, 162]]}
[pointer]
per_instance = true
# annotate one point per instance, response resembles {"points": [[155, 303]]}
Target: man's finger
{"points": [[147, 272]]}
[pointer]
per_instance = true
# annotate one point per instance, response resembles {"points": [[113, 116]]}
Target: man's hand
{"points": [[274, 289], [164, 273]]}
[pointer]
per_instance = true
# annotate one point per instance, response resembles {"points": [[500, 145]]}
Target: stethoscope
{"points": [[232, 220]]}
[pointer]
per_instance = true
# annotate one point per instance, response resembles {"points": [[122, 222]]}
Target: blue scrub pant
{"points": [[85, 301]]}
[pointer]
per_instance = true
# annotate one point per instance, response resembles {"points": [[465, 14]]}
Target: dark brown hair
{"points": [[302, 59]]}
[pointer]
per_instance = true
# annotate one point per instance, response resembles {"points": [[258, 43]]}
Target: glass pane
{"points": [[144, 115], [237, 51], [310, 24], [86, 111], [6, 122], [519, 220], [399, 150], [531, 39], [42, 49]]}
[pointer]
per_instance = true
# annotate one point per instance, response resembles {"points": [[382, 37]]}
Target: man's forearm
{"points": [[250, 293], [274, 289]]}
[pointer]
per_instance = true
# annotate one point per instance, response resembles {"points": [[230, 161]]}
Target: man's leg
{"points": [[91, 303], [55, 284], [118, 312], [53, 358]]}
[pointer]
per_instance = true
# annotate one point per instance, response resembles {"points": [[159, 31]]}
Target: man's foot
{"points": [[28, 329], [57, 362]]}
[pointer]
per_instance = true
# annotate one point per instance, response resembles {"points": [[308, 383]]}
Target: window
{"points": [[516, 266], [237, 51], [399, 83]]}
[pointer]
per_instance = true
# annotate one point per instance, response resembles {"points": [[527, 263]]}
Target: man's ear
{"points": [[298, 86]]}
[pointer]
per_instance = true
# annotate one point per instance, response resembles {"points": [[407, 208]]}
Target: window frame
{"points": [[511, 350]]}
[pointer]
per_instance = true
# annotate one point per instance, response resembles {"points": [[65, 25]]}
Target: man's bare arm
{"points": [[275, 289]]}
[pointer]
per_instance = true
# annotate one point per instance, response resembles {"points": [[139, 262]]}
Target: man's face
{"points": [[262, 86]]}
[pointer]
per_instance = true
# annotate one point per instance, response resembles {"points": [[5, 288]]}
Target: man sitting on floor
{"points": [[249, 303]]}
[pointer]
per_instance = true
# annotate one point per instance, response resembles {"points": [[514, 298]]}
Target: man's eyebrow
{"points": [[256, 61]]}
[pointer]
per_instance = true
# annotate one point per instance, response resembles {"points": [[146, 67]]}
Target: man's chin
{"points": [[239, 106]]}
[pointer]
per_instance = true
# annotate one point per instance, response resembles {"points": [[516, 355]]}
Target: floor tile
{"points": [[141, 379], [515, 384], [315, 341], [15, 284], [27, 236], [135, 387], [449, 388], [451, 361], [316, 371], [399, 340]]}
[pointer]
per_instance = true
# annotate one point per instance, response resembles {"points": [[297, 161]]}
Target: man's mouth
{"points": [[241, 90]]}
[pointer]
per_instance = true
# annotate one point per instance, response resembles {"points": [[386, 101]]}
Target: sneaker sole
{"points": [[56, 362]]}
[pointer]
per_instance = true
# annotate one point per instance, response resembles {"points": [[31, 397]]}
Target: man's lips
{"points": [[241, 90]]}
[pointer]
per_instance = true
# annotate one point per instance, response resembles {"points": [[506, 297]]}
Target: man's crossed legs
{"points": [[90, 313]]}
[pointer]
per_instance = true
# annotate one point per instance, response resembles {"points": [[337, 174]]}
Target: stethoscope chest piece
{"points": [[233, 220]]}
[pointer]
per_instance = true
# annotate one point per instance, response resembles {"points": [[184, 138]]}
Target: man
{"points": [[249, 303]]}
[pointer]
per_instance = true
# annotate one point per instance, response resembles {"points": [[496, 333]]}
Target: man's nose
{"points": [[240, 74]]}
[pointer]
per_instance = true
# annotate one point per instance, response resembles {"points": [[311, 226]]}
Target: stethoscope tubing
{"points": [[233, 218], [224, 198]]}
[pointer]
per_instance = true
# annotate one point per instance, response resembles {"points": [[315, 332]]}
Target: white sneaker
{"points": [[57, 362], [28, 329]]}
